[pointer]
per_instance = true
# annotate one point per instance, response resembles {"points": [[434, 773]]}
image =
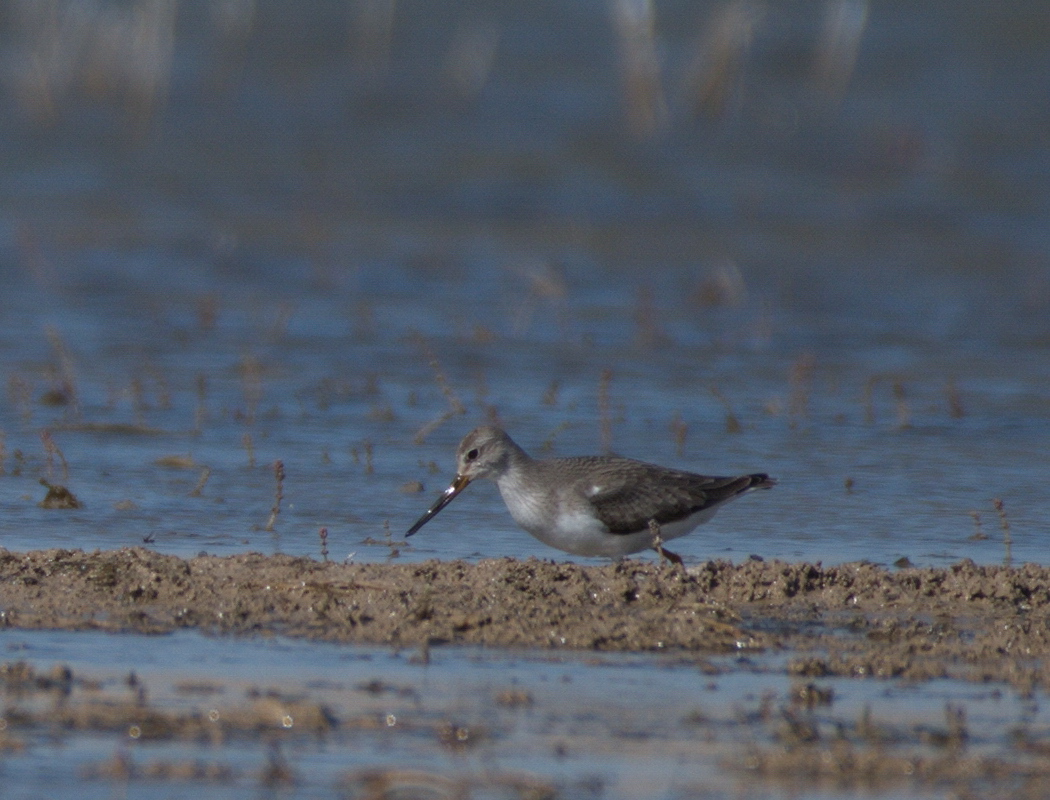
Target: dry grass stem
{"points": [[978, 534], [119, 51], [207, 312], [251, 377], [51, 450], [21, 395], [844, 24], [430, 427], [162, 388], [138, 401], [456, 406], [868, 400], [470, 57], [723, 286], [372, 31], [605, 411], [546, 286], [801, 380], [956, 410], [648, 332], [732, 421], [200, 412], [643, 95], [714, 74], [1005, 524], [66, 391], [900, 398], [278, 473], [679, 432], [550, 396], [279, 328], [201, 481]]}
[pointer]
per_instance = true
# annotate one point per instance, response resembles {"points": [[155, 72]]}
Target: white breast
{"points": [[565, 525]]}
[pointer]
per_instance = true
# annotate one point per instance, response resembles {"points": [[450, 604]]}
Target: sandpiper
{"points": [[591, 505]]}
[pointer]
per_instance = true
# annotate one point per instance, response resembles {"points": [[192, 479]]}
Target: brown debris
{"points": [[58, 497]]}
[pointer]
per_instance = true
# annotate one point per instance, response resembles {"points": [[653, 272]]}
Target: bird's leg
{"points": [[658, 545], [672, 558]]}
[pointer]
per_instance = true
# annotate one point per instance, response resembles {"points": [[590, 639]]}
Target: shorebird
{"points": [[592, 505]]}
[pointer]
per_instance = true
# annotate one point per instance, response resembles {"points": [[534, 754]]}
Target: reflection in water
{"points": [[99, 711]]}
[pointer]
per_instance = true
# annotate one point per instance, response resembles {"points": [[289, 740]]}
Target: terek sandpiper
{"points": [[591, 505]]}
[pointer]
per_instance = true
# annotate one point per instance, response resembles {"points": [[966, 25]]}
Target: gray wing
{"points": [[628, 494]]}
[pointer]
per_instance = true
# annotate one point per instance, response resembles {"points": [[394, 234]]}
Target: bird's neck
{"points": [[516, 468]]}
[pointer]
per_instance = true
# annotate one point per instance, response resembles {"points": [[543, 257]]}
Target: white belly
{"points": [[575, 531]]}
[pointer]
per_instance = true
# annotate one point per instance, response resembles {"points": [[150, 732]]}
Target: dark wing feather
{"points": [[630, 490]]}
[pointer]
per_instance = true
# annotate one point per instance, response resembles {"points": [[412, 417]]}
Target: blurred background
{"points": [[804, 238]]}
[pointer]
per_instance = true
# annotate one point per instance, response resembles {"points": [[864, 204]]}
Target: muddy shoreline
{"points": [[966, 621], [984, 624]]}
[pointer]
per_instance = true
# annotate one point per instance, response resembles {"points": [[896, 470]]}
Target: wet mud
{"points": [[984, 624], [966, 621]]}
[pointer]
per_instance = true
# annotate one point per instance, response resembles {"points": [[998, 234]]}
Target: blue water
{"points": [[319, 394], [259, 254], [618, 724]]}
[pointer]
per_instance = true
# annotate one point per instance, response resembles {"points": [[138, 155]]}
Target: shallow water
{"points": [[314, 259], [304, 237], [575, 725]]}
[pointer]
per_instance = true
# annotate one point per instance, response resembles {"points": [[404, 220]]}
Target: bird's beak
{"points": [[459, 483]]}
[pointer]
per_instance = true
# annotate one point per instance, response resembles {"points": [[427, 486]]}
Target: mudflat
{"points": [[966, 621], [984, 624]]}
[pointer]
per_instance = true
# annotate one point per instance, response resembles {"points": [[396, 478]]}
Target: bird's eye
{"points": [[472, 454]]}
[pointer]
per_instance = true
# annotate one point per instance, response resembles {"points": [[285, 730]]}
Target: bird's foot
{"points": [[658, 546], [672, 558]]}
